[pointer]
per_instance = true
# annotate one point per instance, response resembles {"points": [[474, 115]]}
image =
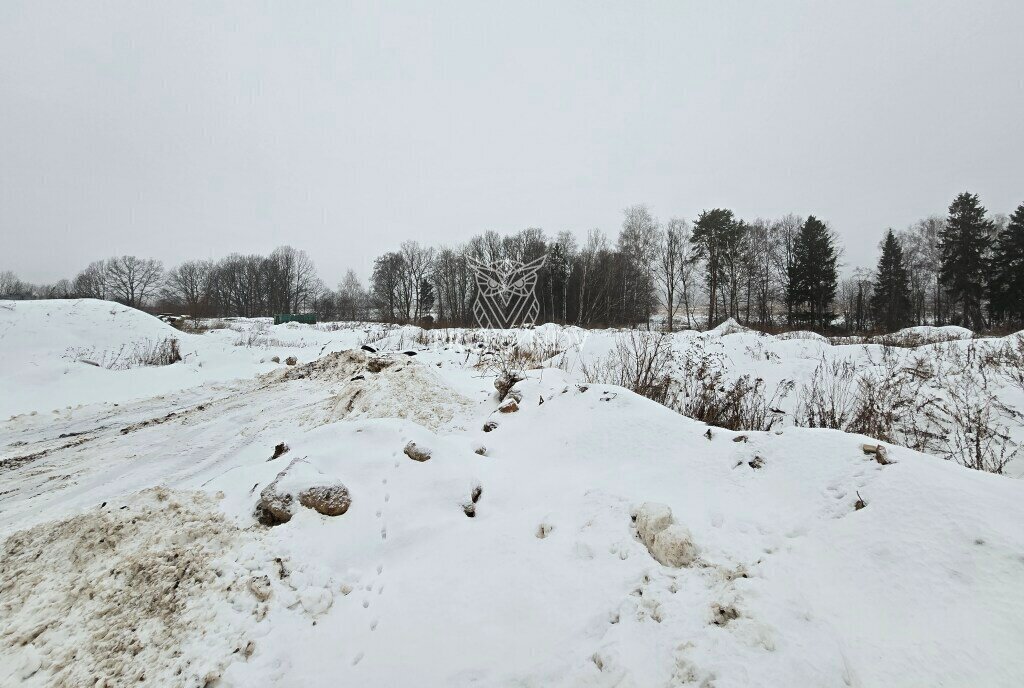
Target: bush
{"points": [[943, 402], [640, 361], [704, 393], [1011, 360], [147, 352], [827, 399]]}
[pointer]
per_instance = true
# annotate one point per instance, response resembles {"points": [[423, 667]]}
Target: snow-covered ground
{"points": [[133, 554]]}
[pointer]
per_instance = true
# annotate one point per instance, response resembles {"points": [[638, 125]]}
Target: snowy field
{"points": [[426, 532]]}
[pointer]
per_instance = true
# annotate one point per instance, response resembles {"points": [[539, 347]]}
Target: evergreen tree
{"points": [[813, 276], [1008, 270], [711, 233], [425, 298], [964, 242], [890, 302]]}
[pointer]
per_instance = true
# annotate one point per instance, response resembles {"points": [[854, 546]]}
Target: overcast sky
{"points": [[179, 130]]}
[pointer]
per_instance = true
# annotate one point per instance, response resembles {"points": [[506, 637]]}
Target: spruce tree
{"points": [[1008, 270], [964, 243], [710, 234], [813, 276], [890, 302]]}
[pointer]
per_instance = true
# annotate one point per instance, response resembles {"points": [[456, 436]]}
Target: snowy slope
{"points": [[547, 585], [43, 346]]}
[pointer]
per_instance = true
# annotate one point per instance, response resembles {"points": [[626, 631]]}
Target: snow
{"points": [[730, 326], [929, 334], [550, 583]]}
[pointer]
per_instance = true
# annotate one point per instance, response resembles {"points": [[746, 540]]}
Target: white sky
{"points": [[179, 129]]}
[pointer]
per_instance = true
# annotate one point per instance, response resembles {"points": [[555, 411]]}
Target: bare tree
{"points": [[786, 231], [351, 297], [386, 284], [132, 280], [10, 285], [61, 289], [593, 285], [453, 286], [91, 283], [417, 262], [191, 283], [763, 287], [854, 297], [637, 246], [920, 243], [671, 267], [239, 285], [291, 278]]}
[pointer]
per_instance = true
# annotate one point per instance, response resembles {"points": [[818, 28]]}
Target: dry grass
{"points": [[640, 361], [947, 403], [147, 352], [741, 404]]}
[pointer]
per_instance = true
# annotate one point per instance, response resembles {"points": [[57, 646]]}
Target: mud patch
{"points": [[142, 592], [19, 461], [334, 367]]}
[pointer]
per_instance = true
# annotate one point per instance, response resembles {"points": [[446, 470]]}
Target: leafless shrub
{"points": [[899, 340], [827, 400], [741, 404], [978, 422], [759, 352], [737, 405], [914, 340], [882, 398], [508, 353], [159, 352], [1011, 360], [506, 360], [335, 326], [944, 403], [978, 436], [164, 352], [192, 325], [640, 361], [893, 403], [255, 339], [199, 325]]}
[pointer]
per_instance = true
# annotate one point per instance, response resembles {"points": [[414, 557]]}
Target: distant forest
{"points": [[964, 268]]}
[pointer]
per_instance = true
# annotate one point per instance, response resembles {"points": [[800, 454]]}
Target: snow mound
{"points": [[60, 354], [38, 330], [924, 334], [802, 334], [140, 592], [730, 326]]}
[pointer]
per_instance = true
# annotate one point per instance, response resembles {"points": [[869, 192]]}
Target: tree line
{"points": [[966, 267], [285, 281]]}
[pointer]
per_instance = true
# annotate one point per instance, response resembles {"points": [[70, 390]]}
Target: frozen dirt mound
{"points": [[382, 386], [408, 391], [124, 594], [339, 366]]}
